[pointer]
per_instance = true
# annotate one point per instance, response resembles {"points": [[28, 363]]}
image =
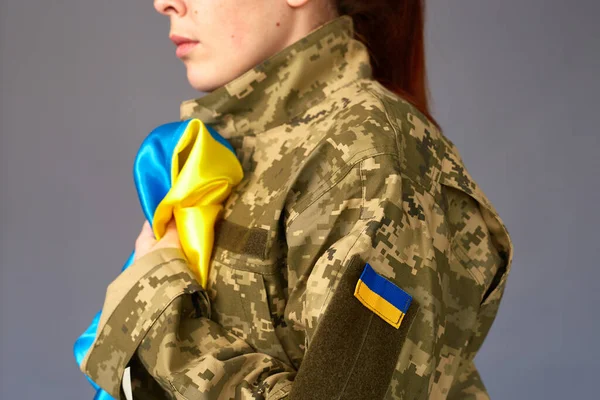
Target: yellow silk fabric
{"points": [[203, 173]]}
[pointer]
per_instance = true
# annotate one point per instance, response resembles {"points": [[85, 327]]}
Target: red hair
{"points": [[393, 31]]}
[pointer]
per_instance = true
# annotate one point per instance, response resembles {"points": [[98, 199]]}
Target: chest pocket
{"points": [[243, 287]]}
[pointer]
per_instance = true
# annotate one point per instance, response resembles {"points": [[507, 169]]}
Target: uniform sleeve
{"points": [[372, 216], [437, 244]]}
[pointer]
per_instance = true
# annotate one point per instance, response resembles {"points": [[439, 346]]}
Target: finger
{"points": [[146, 237], [171, 236], [147, 230]]}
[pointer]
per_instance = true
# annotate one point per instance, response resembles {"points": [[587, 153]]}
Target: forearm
{"points": [[134, 301], [197, 358]]}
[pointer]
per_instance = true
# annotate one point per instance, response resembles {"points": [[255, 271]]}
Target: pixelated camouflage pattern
{"points": [[337, 169]]}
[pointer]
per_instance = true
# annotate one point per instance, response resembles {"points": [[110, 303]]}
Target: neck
{"points": [[285, 84]]}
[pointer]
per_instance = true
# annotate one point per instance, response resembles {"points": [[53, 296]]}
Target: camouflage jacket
{"points": [[339, 172]]}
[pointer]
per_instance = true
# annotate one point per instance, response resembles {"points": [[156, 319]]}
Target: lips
{"points": [[184, 45], [181, 39]]}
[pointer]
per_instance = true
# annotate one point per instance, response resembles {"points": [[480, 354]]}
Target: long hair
{"points": [[393, 32]]}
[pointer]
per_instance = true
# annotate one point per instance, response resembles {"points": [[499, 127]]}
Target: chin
{"points": [[202, 81]]}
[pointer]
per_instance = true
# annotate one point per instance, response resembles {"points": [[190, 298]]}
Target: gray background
{"points": [[515, 85]]}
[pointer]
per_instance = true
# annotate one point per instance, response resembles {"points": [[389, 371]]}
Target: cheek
{"points": [[223, 24], [240, 21], [238, 33]]}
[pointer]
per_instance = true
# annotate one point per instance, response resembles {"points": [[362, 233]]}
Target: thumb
{"points": [[147, 232], [144, 241], [171, 236]]}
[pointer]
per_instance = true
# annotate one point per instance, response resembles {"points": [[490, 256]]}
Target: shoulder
{"points": [[432, 160], [421, 146], [356, 126], [367, 120], [368, 123], [426, 156]]}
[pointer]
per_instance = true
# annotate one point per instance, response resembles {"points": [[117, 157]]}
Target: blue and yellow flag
{"points": [[382, 296], [183, 170]]}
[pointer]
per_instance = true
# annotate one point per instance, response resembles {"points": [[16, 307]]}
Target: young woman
{"points": [[357, 258]]}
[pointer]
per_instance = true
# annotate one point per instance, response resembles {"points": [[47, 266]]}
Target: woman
{"points": [[357, 259]]}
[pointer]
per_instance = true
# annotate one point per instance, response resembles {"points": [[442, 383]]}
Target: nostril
{"points": [[170, 7], [166, 7]]}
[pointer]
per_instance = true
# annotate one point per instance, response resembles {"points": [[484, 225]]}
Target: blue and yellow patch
{"points": [[382, 296]]}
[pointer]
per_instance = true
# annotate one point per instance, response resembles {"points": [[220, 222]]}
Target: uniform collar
{"points": [[285, 84]]}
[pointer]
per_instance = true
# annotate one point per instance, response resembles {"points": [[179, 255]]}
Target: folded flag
{"points": [[183, 170]]}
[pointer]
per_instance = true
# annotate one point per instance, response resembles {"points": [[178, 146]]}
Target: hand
{"points": [[146, 242]]}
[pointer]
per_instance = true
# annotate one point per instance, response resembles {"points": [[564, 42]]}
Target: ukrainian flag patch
{"points": [[382, 296]]}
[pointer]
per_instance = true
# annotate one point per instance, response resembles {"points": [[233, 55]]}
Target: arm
{"points": [[372, 216]]}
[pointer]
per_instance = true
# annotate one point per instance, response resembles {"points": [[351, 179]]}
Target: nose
{"points": [[170, 7]]}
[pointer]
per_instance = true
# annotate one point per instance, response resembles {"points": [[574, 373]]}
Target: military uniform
{"points": [[339, 173]]}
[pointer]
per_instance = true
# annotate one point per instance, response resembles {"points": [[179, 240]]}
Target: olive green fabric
{"points": [[354, 352]]}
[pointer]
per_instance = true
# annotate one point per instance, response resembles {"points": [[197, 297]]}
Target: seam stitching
{"points": [[430, 182], [329, 289], [363, 189], [330, 184]]}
